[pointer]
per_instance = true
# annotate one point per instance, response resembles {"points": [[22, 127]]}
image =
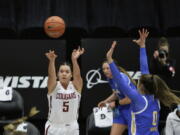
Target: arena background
{"points": [[90, 24]]}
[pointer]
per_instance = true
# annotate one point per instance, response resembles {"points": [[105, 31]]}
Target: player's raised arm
{"points": [[109, 99], [141, 42], [77, 79], [51, 71], [131, 92]]}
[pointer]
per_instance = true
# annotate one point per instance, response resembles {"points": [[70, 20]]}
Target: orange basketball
{"points": [[54, 26]]}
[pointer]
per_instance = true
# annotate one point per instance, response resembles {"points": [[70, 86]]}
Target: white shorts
{"points": [[62, 129]]}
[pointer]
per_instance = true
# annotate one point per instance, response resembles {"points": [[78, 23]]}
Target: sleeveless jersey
{"points": [[147, 119], [63, 104]]}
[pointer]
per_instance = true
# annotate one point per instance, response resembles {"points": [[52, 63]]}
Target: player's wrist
{"points": [[110, 60], [52, 61], [142, 45]]}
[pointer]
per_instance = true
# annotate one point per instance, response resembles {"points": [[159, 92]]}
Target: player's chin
{"points": [[65, 80], [108, 75]]}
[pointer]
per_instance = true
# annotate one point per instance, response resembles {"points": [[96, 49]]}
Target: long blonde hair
{"points": [[153, 84]]}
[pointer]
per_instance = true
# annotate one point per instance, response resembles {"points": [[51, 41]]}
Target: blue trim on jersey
{"points": [[146, 121]]}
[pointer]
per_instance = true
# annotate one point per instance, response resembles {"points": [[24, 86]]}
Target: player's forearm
{"points": [[76, 69], [51, 76], [118, 77], [111, 98], [144, 68], [51, 69], [122, 84], [124, 101]]}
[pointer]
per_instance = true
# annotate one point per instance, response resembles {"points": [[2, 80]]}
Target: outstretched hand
{"points": [[142, 39], [101, 104], [76, 53], [51, 55], [110, 52]]}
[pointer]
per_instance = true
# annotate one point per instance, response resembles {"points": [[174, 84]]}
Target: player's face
{"points": [[106, 70], [65, 74]]}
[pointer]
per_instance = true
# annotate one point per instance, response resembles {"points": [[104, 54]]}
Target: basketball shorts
{"points": [[121, 116], [62, 129]]}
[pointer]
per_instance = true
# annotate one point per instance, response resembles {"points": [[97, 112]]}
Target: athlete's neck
{"points": [[65, 85]]}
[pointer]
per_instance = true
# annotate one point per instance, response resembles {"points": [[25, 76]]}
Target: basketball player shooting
{"points": [[63, 95]]}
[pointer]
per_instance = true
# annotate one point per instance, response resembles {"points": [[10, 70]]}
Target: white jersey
{"points": [[63, 104]]}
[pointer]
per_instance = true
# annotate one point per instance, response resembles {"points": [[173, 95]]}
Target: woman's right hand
{"points": [[76, 53], [110, 52], [143, 34], [51, 55], [102, 104]]}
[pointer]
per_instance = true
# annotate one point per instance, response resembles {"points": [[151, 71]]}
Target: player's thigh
{"points": [[118, 129]]}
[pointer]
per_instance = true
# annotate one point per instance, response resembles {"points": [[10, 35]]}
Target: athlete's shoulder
{"points": [[73, 88], [57, 87]]}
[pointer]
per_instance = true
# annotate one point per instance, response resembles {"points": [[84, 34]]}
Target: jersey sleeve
{"points": [[144, 68], [136, 98]]}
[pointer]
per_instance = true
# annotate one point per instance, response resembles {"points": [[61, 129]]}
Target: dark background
{"points": [[90, 18], [92, 24]]}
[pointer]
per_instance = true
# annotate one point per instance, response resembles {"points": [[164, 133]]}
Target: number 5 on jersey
{"points": [[65, 106]]}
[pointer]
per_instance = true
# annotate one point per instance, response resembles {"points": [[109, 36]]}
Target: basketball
{"points": [[54, 26]]}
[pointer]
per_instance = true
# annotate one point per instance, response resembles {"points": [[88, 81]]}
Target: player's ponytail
{"points": [[163, 92], [153, 84]]}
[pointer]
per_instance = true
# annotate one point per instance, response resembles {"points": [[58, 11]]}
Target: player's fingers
{"points": [[78, 48], [46, 54], [134, 40], [114, 44], [140, 33], [82, 50], [147, 34]]}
